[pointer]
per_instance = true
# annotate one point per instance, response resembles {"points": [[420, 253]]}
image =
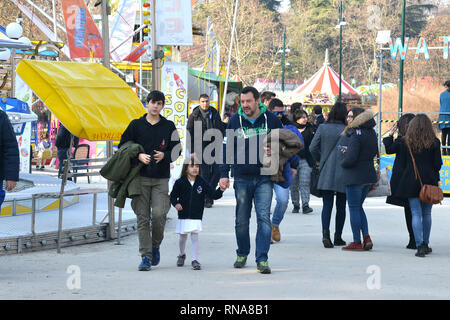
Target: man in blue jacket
{"points": [[445, 116], [9, 156], [242, 148]]}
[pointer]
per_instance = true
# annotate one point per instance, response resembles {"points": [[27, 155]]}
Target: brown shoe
{"points": [[276, 236], [354, 246], [367, 243]]}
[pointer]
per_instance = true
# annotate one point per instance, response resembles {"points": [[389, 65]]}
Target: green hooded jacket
{"points": [[125, 177]]}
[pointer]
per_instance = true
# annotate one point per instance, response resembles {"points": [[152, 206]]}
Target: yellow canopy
{"points": [[91, 101]]}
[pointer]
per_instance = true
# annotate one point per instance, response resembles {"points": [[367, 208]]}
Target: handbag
{"points": [[382, 188], [428, 193]]}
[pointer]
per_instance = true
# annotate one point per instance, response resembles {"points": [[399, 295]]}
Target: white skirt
{"points": [[188, 225]]}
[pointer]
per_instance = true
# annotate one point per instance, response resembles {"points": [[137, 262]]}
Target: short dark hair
{"points": [[447, 83], [317, 109], [338, 113], [156, 95], [204, 95], [296, 106], [266, 95], [298, 114], [252, 90], [275, 103]]}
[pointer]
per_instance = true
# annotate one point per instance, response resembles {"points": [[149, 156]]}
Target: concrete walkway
{"points": [[301, 267]]}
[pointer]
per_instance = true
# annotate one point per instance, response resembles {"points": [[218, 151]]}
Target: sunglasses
{"points": [[279, 113]]}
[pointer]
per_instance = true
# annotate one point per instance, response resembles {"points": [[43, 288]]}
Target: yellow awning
{"points": [[91, 101]]}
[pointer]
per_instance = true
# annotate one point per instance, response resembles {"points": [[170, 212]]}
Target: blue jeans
{"points": [[356, 194], [259, 190], [421, 220], [282, 197], [327, 209]]}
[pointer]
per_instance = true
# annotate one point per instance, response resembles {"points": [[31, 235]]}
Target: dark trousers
{"points": [[446, 141], [341, 199], [62, 155], [408, 218], [211, 174]]}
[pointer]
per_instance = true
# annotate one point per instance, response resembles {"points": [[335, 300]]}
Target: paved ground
{"points": [[301, 267]]}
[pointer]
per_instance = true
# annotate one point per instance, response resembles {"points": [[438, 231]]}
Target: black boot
{"points": [[326, 239], [338, 240], [420, 251], [412, 243], [428, 250]]}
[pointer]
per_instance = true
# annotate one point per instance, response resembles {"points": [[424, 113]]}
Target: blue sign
{"points": [[388, 162], [13, 105]]}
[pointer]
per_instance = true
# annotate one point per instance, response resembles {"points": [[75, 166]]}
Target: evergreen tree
{"points": [[271, 4]]}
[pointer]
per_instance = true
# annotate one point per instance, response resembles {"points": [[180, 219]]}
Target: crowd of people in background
{"points": [[341, 146]]}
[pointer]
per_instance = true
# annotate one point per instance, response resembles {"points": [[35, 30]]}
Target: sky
{"points": [[284, 5]]}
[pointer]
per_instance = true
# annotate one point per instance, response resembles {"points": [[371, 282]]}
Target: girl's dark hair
{"points": [[298, 114], [338, 113], [45, 135], [403, 123], [357, 111], [420, 134], [192, 161], [296, 106]]}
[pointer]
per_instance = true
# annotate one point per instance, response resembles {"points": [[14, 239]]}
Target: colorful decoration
{"points": [[399, 47], [445, 41], [422, 48]]}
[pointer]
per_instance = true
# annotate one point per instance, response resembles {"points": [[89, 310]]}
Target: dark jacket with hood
{"points": [[9, 150], [362, 147], [162, 137], [192, 197], [248, 140], [211, 121], [428, 163]]}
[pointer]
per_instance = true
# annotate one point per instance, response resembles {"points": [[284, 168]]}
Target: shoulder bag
{"points": [[428, 193]]}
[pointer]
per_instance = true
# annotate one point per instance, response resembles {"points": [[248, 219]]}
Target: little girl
{"points": [[188, 197]]}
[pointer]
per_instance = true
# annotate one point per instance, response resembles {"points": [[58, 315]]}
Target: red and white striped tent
{"points": [[325, 81]]}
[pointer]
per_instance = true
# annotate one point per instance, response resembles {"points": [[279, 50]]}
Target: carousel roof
{"points": [[325, 81]]}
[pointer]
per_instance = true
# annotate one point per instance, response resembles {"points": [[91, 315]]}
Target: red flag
{"points": [[84, 39], [136, 53]]}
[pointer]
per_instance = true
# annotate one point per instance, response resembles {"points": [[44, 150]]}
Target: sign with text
{"points": [[388, 162], [83, 36], [173, 23], [174, 77], [422, 48]]}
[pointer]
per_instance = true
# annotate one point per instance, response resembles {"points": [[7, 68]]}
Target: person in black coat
{"points": [[421, 141], [63, 144], [209, 118], [359, 173], [395, 146], [9, 156], [188, 197], [301, 182]]}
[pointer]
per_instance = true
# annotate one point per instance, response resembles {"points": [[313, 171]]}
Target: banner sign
{"points": [[121, 27], [422, 48], [388, 162], [173, 23], [84, 38], [174, 77]]}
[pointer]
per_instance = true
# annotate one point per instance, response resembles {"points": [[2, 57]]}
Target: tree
{"points": [[271, 4]]}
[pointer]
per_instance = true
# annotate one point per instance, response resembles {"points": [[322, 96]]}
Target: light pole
{"points": [[400, 86], [340, 25]]}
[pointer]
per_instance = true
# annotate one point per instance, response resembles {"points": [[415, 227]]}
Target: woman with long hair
{"points": [[397, 146], [358, 148], [324, 150], [302, 180], [422, 144]]}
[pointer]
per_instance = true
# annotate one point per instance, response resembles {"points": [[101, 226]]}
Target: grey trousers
{"points": [[151, 209], [300, 186]]}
